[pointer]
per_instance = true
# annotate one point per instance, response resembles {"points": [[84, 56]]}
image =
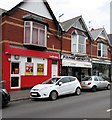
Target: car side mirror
{"points": [[60, 83]]}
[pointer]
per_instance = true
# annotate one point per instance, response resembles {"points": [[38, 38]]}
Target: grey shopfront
{"points": [[101, 67]]}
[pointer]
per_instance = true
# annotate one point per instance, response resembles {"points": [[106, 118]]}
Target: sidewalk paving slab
{"points": [[20, 95]]}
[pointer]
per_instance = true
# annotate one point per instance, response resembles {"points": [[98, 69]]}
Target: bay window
{"points": [[35, 34], [102, 50], [78, 43]]}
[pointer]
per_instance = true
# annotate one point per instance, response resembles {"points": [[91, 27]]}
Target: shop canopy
{"points": [[74, 63]]}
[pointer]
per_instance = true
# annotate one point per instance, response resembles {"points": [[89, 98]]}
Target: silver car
{"points": [[94, 83]]}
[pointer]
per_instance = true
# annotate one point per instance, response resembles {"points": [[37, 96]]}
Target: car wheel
{"points": [[109, 87], [94, 88], [53, 95], [78, 91]]}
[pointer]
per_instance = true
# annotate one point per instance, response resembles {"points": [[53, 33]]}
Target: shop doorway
{"points": [[54, 68], [15, 75], [76, 72]]}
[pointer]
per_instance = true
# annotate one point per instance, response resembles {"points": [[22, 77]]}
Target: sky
{"points": [[96, 13]]}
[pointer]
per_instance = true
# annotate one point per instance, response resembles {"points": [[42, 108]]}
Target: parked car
{"points": [[4, 94], [56, 86], [94, 83]]}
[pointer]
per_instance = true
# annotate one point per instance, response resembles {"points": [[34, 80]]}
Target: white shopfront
{"points": [[76, 66]]}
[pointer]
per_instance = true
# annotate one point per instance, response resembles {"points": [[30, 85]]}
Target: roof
{"points": [[66, 25], [69, 23], [47, 6], [2, 11], [110, 38], [95, 33]]}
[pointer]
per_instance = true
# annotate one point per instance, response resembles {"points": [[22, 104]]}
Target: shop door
{"points": [[15, 75], [54, 68]]}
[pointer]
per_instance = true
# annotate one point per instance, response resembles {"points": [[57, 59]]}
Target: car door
{"points": [[64, 88], [101, 82], [104, 82], [73, 84], [96, 81]]}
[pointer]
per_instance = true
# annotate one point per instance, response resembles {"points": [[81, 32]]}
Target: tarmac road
{"points": [[87, 105]]}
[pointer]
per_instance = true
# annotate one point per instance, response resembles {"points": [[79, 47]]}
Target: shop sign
{"points": [[78, 58], [53, 57]]}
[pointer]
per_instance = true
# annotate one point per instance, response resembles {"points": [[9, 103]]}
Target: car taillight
{"points": [[89, 83]]}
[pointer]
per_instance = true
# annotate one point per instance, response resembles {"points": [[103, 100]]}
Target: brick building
{"points": [[110, 38], [30, 44], [35, 47], [101, 53], [76, 48]]}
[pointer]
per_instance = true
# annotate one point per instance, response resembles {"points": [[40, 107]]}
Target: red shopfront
{"points": [[23, 68]]}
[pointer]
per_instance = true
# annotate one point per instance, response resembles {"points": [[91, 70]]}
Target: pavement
{"points": [[20, 95]]}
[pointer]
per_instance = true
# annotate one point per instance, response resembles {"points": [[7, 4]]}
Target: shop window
{"points": [[14, 81], [29, 69], [35, 34], [29, 59], [40, 69], [14, 68], [54, 62]]}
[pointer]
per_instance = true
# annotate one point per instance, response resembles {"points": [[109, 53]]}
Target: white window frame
{"points": [[102, 50], [31, 34], [77, 45]]}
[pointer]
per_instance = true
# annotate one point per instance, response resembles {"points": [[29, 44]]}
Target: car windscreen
{"points": [[51, 80], [87, 78]]}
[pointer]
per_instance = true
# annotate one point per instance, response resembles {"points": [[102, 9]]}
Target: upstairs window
{"points": [[35, 34], [78, 43], [102, 50]]}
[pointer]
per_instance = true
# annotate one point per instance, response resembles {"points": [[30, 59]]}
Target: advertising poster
{"points": [[29, 68], [40, 69]]}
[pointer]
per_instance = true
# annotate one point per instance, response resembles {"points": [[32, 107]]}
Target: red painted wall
{"points": [[26, 80], [6, 70], [30, 81]]}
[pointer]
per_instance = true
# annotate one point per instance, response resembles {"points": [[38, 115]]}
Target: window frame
{"points": [[76, 50], [103, 51], [31, 27]]}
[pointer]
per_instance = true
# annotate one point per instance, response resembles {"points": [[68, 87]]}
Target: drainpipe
{"points": [[61, 37], [110, 66], [91, 57], [1, 46]]}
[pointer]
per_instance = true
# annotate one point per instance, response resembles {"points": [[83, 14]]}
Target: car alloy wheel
{"points": [[108, 87], [94, 88], [78, 91], [53, 95]]}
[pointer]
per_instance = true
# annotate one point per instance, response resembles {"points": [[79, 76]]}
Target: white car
{"points": [[94, 83], [56, 86]]}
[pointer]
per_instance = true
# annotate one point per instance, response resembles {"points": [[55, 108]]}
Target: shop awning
{"points": [[74, 63]]}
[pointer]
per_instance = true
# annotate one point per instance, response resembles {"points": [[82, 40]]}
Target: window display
{"points": [[40, 69], [29, 68]]}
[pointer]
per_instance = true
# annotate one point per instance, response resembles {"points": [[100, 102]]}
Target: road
{"points": [[87, 105]]}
